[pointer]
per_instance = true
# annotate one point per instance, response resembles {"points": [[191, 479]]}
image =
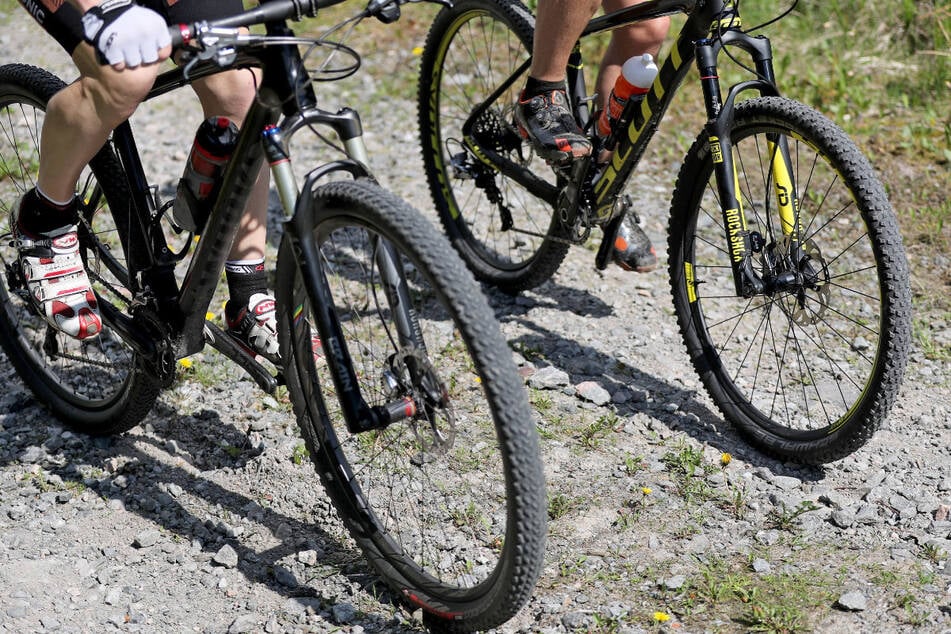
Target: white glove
{"points": [[125, 33]]}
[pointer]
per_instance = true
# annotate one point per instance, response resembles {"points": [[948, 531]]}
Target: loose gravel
{"points": [[202, 520]]}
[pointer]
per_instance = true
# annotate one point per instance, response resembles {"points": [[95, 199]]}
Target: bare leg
{"points": [[230, 94], [637, 39], [557, 28], [80, 117]]}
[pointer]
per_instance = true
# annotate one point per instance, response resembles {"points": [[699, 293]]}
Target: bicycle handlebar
{"points": [[275, 10]]}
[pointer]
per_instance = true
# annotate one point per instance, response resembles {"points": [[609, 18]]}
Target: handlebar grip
{"points": [[267, 11], [181, 34]]}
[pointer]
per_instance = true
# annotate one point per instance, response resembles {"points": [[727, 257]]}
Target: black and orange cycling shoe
{"points": [[546, 121]]}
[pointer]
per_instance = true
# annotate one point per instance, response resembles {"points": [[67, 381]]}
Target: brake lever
{"points": [[388, 11], [217, 44]]}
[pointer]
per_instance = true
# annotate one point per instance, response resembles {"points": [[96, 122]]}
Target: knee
{"points": [[651, 34], [644, 37], [228, 94], [116, 94]]}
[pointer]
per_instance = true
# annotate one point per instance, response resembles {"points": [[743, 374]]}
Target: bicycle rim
{"points": [[810, 371], [500, 228]]}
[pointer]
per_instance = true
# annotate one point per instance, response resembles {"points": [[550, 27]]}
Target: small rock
{"points": [[576, 621], [32, 455], [842, 518], [146, 538], [675, 583], [761, 566], [548, 378], [591, 391], [226, 556], [343, 613], [787, 483], [244, 624], [307, 557], [286, 577], [853, 601]]}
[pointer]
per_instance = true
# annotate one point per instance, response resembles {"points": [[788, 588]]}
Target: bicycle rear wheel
{"points": [[505, 233], [807, 373], [448, 504], [94, 386]]}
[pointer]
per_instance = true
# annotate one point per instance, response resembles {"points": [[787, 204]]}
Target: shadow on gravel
{"points": [[152, 488], [693, 417]]}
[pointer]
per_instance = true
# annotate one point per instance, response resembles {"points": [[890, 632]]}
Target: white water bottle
{"points": [[637, 75]]}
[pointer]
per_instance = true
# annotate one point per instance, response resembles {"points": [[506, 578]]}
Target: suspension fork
{"points": [[719, 125], [301, 217], [781, 167]]}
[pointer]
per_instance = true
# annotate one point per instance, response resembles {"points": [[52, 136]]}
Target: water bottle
{"points": [[214, 142], [637, 75]]}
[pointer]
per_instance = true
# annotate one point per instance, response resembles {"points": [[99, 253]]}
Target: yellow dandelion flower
{"points": [[209, 316], [417, 50], [478, 380], [725, 458], [647, 490], [185, 363], [661, 617]]}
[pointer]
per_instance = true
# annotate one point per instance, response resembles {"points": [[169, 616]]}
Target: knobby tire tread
{"points": [[870, 196], [520, 565], [549, 256]]}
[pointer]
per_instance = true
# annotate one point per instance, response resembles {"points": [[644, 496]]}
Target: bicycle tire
{"points": [[470, 49], [448, 506], [96, 386], [809, 374]]}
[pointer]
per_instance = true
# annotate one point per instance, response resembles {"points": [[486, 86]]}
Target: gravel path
{"points": [[195, 521]]}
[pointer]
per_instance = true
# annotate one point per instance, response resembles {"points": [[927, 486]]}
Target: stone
{"points": [[549, 378], [226, 556], [853, 601]]}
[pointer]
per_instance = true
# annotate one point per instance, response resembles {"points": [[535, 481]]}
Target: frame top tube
{"points": [[640, 12]]}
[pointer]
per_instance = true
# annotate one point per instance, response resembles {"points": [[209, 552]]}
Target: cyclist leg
{"points": [[78, 120], [544, 112], [250, 312], [635, 39]]}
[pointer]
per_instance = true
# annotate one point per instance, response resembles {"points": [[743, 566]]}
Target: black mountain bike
{"points": [[405, 392], [788, 273]]}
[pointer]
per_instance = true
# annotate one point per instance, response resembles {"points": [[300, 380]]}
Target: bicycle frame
{"points": [[281, 108]]}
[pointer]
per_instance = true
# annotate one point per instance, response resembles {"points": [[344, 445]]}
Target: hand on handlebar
{"points": [[125, 34]]}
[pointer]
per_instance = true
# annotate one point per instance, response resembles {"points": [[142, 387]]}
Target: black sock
{"points": [[38, 214], [245, 278], [538, 87]]}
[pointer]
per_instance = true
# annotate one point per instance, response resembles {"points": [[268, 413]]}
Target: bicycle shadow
{"points": [[583, 362], [135, 475]]}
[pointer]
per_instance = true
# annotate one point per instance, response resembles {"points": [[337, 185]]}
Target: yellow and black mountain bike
{"points": [[789, 277]]}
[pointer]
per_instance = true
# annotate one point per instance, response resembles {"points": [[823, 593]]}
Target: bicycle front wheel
{"points": [[448, 504], [95, 386], [806, 371], [507, 235]]}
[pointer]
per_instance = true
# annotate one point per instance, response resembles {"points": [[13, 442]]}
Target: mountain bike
{"points": [[789, 278], [404, 390]]}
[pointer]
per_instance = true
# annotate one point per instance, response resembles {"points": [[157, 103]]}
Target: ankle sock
{"points": [[538, 87], [39, 214], [245, 278]]}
